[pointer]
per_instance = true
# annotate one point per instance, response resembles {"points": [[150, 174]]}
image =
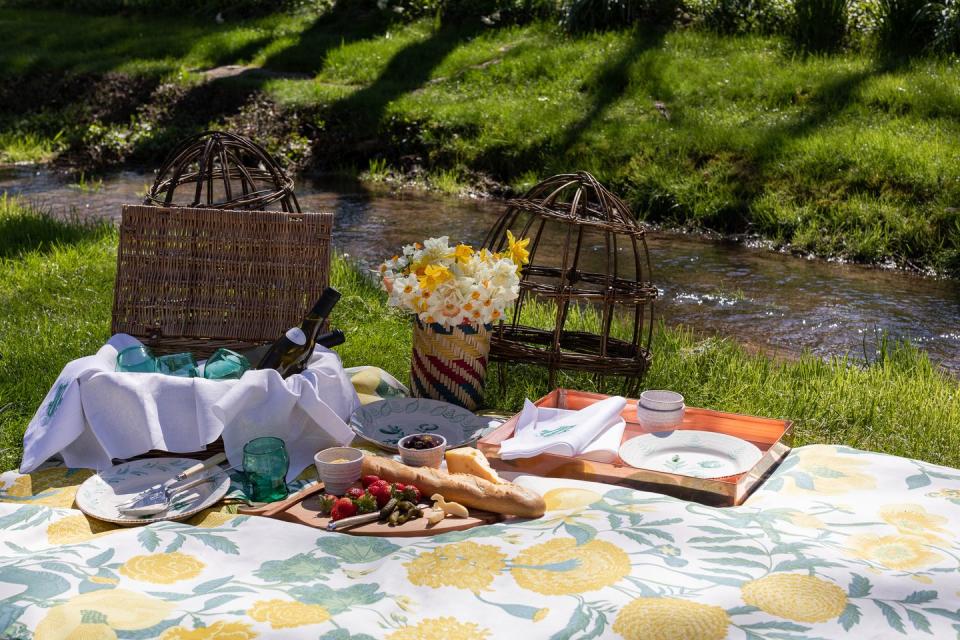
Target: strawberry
{"points": [[381, 492], [343, 508], [397, 489], [355, 493], [366, 481], [411, 493]]}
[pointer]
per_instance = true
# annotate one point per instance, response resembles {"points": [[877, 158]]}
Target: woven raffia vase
{"points": [[450, 363]]}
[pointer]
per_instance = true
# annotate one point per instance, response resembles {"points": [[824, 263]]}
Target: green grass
{"points": [[842, 155], [56, 285]]}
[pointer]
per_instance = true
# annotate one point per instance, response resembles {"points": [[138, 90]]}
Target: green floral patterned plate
{"points": [[698, 454], [100, 494], [384, 423]]}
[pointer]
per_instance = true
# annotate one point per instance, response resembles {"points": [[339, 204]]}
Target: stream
{"points": [[769, 301]]}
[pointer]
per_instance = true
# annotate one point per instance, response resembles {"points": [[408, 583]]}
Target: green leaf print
{"points": [[148, 539], [859, 587], [338, 600], [893, 618], [849, 617], [918, 620], [921, 597], [355, 549], [41, 585]]}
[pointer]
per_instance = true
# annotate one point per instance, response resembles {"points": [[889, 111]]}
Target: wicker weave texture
{"points": [[586, 250], [450, 363], [222, 170], [194, 279]]}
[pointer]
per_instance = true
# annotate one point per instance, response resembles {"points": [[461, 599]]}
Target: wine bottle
{"points": [[284, 349], [329, 340], [291, 352]]}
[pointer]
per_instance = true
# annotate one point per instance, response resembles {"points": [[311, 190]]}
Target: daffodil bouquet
{"points": [[454, 285]]}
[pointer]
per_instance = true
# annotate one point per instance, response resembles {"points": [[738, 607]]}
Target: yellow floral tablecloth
{"points": [[839, 543]]}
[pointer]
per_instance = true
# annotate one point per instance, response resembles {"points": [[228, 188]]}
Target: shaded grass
{"points": [[56, 297], [840, 155]]}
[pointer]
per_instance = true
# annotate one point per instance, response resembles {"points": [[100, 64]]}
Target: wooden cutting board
{"points": [[303, 508]]}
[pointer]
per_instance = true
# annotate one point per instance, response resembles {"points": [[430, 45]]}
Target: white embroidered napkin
{"points": [[593, 433]]}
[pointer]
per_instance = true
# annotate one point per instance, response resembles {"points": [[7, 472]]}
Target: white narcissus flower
{"points": [[450, 287]]}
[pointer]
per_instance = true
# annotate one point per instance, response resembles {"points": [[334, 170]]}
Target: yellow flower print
{"points": [[93, 631], [465, 565], [102, 580], [445, 628], [215, 631], [558, 499], [801, 598], [805, 520], [211, 518], [286, 614], [121, 609], [162, 568], [406, 603], [56, 487], [894, 552], [827, 473], [540, 614], [671, 619], [78, 528], [560, 566], [914, 520]]}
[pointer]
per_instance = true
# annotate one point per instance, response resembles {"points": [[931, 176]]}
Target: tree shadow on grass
{"points": [[610, 83]]}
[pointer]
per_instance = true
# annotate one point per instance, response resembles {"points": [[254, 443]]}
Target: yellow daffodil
{"points": [[518, 249], [463, 252], [433, 275]]}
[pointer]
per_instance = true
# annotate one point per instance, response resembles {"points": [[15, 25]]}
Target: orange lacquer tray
{"points": [[773, 437]]}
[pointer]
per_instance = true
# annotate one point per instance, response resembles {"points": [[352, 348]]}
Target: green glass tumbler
{"points": [[183, 365], [225, 364], [139, 359], [265, 466]]}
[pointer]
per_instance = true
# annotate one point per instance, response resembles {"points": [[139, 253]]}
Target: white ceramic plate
{"points": [[698, 454], [100, 494], [384, 423]]}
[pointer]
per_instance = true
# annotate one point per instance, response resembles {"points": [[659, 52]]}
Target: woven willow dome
{"points": [[222, 170], [588, 259]]}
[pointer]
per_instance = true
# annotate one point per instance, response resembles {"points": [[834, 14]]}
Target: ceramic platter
{"points": [[384, 423], [697, 454], [100, 494]]}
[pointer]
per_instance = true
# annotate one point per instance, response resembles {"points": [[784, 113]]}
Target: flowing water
{"points": [[774, 302]]}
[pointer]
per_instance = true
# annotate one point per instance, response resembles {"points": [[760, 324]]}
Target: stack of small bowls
{"points": [[659, 410]]}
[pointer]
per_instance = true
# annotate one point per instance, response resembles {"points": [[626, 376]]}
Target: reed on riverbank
{"points": [[56, 284]]}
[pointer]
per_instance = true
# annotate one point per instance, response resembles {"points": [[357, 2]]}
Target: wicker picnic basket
{"points": [[218, 272]]}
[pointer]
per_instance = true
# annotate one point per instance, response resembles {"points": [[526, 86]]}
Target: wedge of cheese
{"points": [[471, 461]]}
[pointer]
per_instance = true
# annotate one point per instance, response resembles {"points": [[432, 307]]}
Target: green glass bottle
{"points": [[292, 351]]}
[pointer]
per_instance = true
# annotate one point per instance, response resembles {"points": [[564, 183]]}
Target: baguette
{"points": [[506, 498]]}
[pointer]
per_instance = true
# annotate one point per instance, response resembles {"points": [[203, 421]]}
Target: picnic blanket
{"points": [[838, 543]]}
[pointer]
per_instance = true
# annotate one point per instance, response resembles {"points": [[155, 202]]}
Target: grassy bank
{"points": [[56, 282], [842, 155]]}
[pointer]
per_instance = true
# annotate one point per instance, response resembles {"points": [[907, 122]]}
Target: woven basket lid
{"points": [[222, 170]]}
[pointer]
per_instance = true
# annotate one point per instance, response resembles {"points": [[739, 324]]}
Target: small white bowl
{"points": [[431, 457], [661, 400], [338, 468]]}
